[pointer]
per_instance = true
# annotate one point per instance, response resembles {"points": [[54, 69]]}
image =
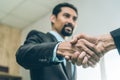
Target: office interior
{"points": [[18, 17]]}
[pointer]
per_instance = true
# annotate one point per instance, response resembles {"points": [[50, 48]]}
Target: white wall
{"points": [[95, 17]]}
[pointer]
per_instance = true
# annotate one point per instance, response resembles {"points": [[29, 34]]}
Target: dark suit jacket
{"points": [[116, 37], [36, 54]]}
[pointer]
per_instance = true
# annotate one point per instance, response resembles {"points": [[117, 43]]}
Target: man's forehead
{"points": [[69, 11]]}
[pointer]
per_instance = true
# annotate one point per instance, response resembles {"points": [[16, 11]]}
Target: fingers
{"points": [[80, 58], [67, 58], [74, 57], [84, 54], [100, 49], [91, 64], [91, 39], [74, 40], [88, 48], [85, 60]]}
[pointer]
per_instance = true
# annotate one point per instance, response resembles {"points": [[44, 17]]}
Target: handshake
{"points": [[84, 50]]}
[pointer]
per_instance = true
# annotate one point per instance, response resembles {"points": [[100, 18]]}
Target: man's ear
{"points": [[52, 18]]}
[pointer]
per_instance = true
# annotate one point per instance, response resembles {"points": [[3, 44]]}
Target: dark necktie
{"points": [[69, 69]]}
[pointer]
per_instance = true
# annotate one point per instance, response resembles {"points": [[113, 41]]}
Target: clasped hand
{"points": [[85, 50]]}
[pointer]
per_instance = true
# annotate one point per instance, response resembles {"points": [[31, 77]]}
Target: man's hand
{"points": [[65, 49], [87, 44], [94, 47], [104, 44], [73, 53], [78, 51]]}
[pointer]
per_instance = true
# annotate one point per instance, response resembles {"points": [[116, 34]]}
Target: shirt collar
{"points": [[58, 37]]}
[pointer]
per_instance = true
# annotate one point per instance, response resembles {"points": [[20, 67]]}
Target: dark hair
{"points": [[58, 7]]}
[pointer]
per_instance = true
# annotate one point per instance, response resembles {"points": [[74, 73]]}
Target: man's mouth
{"points": [[68, 29]]}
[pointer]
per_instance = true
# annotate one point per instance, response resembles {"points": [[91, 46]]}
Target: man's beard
{"points": [[67, 29]]}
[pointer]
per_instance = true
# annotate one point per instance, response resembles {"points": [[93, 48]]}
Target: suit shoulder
{"points": [[35, 32], [32, 32]]}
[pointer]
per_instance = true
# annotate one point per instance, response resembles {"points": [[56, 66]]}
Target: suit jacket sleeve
{"points": [[116, 37], [37, 51]]}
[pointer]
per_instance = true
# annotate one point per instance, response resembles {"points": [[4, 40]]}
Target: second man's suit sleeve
{"points": [[116, 37]]}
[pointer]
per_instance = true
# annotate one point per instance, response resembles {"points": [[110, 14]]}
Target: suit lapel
{"points": [[53, 38]]}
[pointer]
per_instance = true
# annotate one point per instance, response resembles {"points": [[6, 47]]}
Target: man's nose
{"points": [[71, 21]]}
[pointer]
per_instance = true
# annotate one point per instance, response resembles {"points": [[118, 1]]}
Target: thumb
{"points": [[73, 40]]}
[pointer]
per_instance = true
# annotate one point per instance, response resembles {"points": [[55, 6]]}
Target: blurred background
{"points": [[18, 17]]}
